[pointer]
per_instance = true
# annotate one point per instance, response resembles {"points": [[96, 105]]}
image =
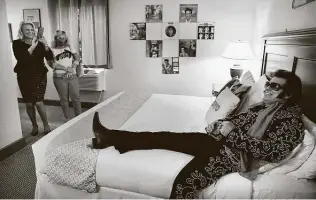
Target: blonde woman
{"points": [[31, 71], [65, 78]]}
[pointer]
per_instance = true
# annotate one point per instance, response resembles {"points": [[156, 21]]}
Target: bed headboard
{"points": [[294, 51]]}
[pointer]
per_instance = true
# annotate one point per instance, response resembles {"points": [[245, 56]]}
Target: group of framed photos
{"points": [[171, 31]]}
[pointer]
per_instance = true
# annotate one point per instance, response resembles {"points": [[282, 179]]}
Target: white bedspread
{"points": [[175, 113], [152, 172]]}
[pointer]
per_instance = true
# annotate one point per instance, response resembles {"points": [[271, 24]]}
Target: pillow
{"points": [[229, 84], [308, 169], [247, 79], [255, 94], [222, 105]]}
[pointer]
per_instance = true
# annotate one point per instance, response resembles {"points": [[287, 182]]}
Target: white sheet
{"points": [[283, 187], [47, 190], [140, 171], [160, 113], [176, 113]]}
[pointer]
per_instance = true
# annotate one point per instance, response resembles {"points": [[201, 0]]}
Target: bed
{"points": [[139, 174]]}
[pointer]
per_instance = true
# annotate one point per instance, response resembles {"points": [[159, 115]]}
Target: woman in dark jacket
{"points": [[31, 71]]}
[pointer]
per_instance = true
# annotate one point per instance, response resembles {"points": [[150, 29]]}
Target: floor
{"points": [[18, 176], [17, 172], [55, 115]]}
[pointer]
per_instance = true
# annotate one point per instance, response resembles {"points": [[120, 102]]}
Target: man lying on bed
{"points": [[267, 131]]}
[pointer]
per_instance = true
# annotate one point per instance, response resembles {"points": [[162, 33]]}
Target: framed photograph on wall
{"points": [[153, 13], [32, 15], [299, 3], [188, 13], [137, 31]]}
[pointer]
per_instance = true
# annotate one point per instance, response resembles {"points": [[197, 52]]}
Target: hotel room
{"points": [[159, 65]]}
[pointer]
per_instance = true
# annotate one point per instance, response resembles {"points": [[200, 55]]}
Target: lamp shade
{"points": [[239, 50]]}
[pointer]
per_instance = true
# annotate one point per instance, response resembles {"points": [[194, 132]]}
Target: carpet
{"points": [[17, 175], [17, 172]]}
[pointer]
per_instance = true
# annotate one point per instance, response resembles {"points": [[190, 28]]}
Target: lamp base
{"points": [[236, 72]]}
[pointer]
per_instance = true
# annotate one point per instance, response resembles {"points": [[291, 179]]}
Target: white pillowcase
{"points": [[255, 94], [308, 169], [222, 105], [247, 79]]}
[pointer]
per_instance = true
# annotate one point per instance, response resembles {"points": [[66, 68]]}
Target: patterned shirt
{"points": [[284, 132]]}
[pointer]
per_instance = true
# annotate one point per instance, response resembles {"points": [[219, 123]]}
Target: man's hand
{"points": [[210, 128], [226, 128]]}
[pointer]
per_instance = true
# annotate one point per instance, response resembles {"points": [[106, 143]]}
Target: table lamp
{"points": [[238, 51]]}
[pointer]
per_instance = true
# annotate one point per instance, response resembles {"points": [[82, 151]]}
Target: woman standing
{"points": [[65, 77], [31, 71]]}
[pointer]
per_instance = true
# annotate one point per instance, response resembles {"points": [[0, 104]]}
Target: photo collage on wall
{"points": [[180, 38]]}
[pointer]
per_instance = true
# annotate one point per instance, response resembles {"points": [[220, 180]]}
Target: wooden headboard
{"points": [[294, 51]]}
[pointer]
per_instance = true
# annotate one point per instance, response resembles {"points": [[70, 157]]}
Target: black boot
{"points": [[101, 139]]}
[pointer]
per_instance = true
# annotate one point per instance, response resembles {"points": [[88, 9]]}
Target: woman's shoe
{"points": [[46, 130], [34, 130]]}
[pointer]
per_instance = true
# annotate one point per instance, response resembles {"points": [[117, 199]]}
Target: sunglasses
{"points": [[273, 86]]}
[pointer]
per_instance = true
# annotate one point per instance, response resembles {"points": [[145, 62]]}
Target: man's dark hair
{"points": [[188, 9], [166, 60], [293, 85]]}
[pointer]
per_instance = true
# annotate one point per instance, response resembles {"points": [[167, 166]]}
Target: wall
{"points": [[277, 16], [235, 20], [10, 130], [282, 16], [15, 16]]}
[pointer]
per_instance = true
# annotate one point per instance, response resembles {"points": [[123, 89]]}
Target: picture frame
{"points": [[10, 32], [32, 15], [299, 3]]}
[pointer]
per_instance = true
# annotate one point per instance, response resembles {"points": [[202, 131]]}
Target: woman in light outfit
{"points": [[65, 78]]}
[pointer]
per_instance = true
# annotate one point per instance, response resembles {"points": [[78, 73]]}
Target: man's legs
{"points": [[210, 163], [189, 143], [201, 172]]}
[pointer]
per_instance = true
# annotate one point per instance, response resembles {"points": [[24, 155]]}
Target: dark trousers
{"points": [[197, 174]]}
